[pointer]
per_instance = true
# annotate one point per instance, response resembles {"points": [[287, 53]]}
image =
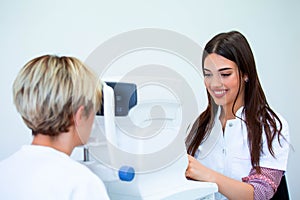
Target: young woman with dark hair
{"points": [[238, 142]]}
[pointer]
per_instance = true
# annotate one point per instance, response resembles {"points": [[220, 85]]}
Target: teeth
{"points": [[219, 92]]}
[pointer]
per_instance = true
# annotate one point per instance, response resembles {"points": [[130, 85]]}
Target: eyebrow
{"points": [[222, 69]]}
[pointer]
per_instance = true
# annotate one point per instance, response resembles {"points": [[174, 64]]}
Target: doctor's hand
{"points": [[197, 171], [231, 188]]}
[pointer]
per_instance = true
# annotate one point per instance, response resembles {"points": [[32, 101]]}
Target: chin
{"points": [[220, 102]]}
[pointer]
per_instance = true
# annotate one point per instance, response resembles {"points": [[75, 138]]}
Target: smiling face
{"points": [[221, 78]]}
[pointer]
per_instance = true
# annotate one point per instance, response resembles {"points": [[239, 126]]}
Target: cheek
{"points": [[235, 83], [206, 83], [231, 81]]}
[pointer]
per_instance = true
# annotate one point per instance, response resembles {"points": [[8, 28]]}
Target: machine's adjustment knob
{"points": [[126, 173]]}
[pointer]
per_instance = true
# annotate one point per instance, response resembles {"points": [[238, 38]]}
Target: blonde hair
{"points": [[49, 90]]}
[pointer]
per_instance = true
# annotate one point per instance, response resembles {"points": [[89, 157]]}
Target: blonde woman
{"points": [[57, 97]]}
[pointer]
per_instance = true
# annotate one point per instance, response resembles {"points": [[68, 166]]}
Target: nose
{"points": [[216, 81]]}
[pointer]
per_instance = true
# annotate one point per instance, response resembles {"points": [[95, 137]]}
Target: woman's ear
{"points": [[78, 116], [246, 79]]}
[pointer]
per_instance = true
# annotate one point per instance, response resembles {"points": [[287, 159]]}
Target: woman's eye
{"points": [[227, 74], [207, 75]]}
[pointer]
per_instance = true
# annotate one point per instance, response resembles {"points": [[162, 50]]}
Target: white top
{"points": [[39, 172], [229, 154]]}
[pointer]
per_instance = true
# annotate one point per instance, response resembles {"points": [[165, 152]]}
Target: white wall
{"points": [[33, 27]]}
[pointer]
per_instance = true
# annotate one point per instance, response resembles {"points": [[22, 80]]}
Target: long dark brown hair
{"points": [[259, 116]]}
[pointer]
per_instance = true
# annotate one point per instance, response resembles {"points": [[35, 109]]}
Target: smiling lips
{"points": [[219, 93]]}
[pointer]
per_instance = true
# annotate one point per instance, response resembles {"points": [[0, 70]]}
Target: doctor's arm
{"points": [[254, 186], [229, 187]]}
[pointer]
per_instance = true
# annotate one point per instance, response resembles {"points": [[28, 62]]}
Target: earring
{"points": [[246, 79]]}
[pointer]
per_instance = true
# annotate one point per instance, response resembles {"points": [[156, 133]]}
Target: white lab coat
{"points": [[229, 154], [39, 172]]}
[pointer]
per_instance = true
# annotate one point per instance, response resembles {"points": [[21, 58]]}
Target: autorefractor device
{"points": [[136, 149]]}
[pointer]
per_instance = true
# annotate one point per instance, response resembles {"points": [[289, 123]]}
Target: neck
{"points": [[64, 142], [227, 113]]}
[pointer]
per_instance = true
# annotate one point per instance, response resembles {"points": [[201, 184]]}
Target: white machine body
{"points": [[157, 161]]}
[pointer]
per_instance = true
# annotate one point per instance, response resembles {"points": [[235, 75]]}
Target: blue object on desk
{"points": [[126, 173]]}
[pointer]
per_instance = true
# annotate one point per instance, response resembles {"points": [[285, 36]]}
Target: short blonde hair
{"points": [[49, 89]]}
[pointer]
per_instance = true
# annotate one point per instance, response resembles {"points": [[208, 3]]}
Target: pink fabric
{"points": [[265, 184]]}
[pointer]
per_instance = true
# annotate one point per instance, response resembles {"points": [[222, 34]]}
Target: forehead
{"points": [[216, 62]]}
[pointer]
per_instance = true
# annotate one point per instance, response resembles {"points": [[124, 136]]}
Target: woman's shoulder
{"points": [[281, 124]]}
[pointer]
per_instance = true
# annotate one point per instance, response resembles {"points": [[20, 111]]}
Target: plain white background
{"points": [[33, 27]]}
